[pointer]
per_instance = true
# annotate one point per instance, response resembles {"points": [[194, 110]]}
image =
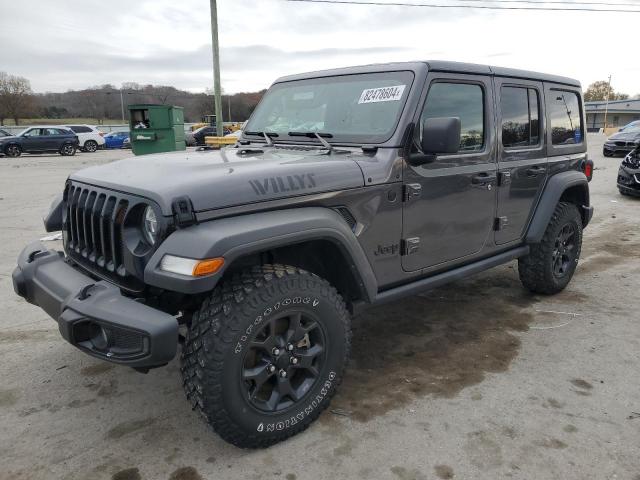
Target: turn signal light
{"points": [[207, 267]]}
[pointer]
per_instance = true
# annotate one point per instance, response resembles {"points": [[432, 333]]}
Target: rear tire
{"points": [[551, 263], [90, 146], [68, 150], [238, 364], [13, 151]]}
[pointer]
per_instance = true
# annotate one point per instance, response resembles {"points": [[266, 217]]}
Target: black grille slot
{"points": [[94, 228], [347, 216]]}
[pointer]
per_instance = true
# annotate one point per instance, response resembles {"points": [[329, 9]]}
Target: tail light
{"points": [[101, 134], [587, 168]]}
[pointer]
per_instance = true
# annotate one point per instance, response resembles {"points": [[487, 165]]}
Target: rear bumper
{"points": [[93, 315]]}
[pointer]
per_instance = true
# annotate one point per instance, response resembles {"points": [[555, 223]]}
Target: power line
{"points": [[543, 2], [483, 7]]}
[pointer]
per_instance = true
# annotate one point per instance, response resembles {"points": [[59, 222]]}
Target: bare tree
{"points": [[16, 97]]}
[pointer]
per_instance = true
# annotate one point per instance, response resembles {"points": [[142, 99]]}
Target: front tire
{"points": [[13, 151], [90, 146], [550, 265], [264, 354], [68, 150]]}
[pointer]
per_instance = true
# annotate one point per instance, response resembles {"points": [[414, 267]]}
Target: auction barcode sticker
{"points": [[382, 94]]}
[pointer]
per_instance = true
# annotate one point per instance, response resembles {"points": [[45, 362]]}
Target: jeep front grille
{"points": [[93, 226]]}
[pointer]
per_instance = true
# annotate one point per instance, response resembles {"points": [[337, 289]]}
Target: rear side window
{"points": [[565, 118], [80, 129], [520, 117], [462, 100]]}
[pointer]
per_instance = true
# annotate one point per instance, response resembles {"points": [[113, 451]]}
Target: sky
{"points": [[68, 45]]}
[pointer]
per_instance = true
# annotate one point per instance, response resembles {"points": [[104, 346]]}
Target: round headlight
{"points": [[150, 226]]}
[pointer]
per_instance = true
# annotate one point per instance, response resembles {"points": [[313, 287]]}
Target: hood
{"points": [[225, 178], [625, 136], [10, 137]]}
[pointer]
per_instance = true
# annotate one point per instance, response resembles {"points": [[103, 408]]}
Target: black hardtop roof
{"points": [[438, 66]]}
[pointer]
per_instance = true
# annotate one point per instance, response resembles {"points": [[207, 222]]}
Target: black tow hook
{"points": [[84, 293]]}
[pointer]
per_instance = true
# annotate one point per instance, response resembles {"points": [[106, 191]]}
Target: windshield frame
{"points": [[283, 137]]}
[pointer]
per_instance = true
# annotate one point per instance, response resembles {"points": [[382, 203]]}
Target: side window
{"points": [[520, 117], [565, 118], [80, 129], [462, 100], [34, 132]]}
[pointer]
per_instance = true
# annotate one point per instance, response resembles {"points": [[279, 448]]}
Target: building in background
{"points": [[619, 113]]}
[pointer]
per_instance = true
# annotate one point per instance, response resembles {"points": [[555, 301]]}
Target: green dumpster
{"points": [[156, 128]]}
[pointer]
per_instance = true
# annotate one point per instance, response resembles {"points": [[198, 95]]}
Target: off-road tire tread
{"points": [[532, 268], [214, 328]]}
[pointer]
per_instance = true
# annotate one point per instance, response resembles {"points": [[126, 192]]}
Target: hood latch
{"points": [[183, 213]]}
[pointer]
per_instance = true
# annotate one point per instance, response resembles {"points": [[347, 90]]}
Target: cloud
{"points": [[168, 42]]}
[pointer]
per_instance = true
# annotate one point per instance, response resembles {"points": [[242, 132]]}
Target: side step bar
{"points": [[449, 276]]}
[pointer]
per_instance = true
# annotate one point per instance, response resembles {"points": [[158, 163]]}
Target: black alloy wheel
{"points": [[13, 151], [68, 150], [283, 361], [564, 254]]}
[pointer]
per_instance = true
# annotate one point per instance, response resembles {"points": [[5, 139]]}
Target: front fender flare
{"points": [[551, 195], [235, 237]]}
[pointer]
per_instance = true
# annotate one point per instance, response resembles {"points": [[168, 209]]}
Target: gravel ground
{"points": [[477, 380]]}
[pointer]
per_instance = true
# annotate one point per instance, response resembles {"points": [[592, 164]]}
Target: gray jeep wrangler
{"points": [[348, 188]]}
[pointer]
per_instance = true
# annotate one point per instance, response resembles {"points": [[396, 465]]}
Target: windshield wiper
{"points": [[320, 136], [266, 135]]}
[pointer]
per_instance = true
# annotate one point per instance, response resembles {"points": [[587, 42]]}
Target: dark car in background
{"points": [[623, 142], [629, 174], [115, 139], [208, 131], [39, 140]]}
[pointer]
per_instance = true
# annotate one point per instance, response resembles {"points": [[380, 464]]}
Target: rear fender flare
{"points": [[551, 195]]}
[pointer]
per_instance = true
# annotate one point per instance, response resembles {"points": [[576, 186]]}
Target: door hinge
{"points": [[411, 191], [500, 223], [410, 245], [504, 178]]}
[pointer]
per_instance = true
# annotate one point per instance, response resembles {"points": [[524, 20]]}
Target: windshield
{"points": [[362, 108], [631, 129]]}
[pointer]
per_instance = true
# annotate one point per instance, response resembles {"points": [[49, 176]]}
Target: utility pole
{"points": [[216, 67], [606, 107], [122, 105]]}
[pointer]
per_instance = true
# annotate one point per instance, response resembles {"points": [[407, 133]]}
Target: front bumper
{"points": [[93, 315], [629, 181], [614, 149]]}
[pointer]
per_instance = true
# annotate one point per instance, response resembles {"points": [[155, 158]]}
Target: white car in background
{"points": [[89, 137]]}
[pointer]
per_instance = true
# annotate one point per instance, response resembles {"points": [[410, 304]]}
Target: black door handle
{"points": [[535, 171], [483, 178]]}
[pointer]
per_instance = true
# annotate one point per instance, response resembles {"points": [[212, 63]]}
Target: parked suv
{"points": [[90, 137], [39, 140], [348, 188]]}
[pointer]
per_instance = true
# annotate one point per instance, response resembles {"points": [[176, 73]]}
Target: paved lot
{"points": [[477, 380]]}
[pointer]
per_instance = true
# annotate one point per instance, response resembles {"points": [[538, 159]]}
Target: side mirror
{"points": [[439, 135]]}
